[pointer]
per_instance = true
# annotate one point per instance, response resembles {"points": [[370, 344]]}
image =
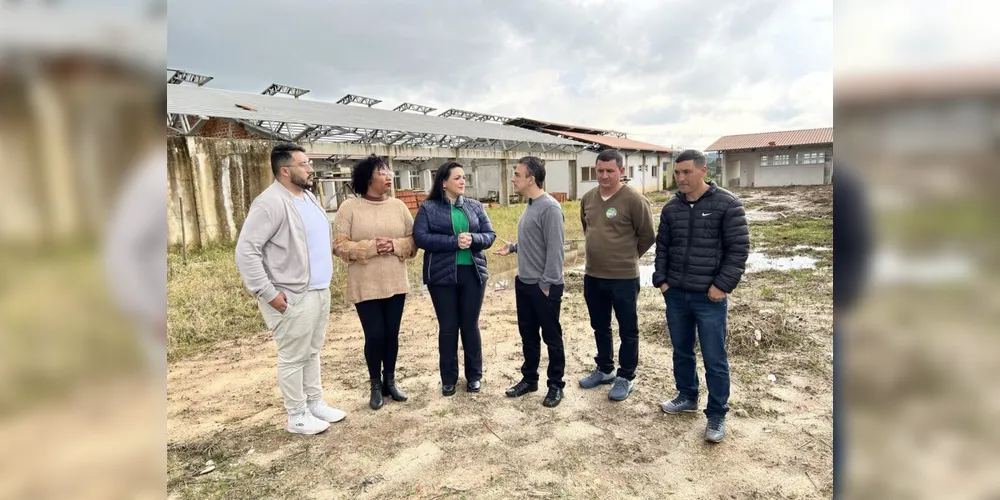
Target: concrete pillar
{"points": [[573, 180], [628, 171], [659, 174], [428, 178], [723, 173], [643, 175], [404, 180], [392, 190], [504, 183]]}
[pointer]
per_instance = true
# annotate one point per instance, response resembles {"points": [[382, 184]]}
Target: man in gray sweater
{"points": [[538, 288]]}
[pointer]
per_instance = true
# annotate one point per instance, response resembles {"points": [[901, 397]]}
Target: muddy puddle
{"points": [[756, 262]]}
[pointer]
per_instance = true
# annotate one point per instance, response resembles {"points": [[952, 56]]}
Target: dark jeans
{"points": [[686, 312], [622, 295], [380, 320], [457, 308], [534, 311]]}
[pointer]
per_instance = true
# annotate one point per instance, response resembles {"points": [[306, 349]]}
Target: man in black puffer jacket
{"points": [[701, 251]]}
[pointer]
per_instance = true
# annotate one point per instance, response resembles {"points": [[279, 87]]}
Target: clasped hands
{"points": [[383, 245]]}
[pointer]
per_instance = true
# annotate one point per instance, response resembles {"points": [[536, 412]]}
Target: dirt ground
{"points": [[224, 406]]}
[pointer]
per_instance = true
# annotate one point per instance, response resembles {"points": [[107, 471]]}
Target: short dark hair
{"points": [[691, 154], [611, 154], [442, 174], [281, 154], [536, 168], [362, 173]]}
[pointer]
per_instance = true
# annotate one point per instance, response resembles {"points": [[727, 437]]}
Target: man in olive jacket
{"points": [[701, 251]]}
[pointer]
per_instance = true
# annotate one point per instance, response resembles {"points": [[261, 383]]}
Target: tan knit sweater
{"points": [[371, 276]]}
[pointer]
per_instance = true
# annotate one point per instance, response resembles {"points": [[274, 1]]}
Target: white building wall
{"points": [[745, 170], [792, 175], [641, 179], [557, 176]]}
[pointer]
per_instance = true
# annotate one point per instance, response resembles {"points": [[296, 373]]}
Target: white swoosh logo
{"points": [[703, 214]]}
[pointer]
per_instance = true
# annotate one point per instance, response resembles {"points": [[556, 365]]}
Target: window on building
{"points": [[396, 180], [655, 170], [588, 174], [416, 180], [810, 158], [468, 180], [782, 159], [765, 161], [774, 160], [631, 172]]}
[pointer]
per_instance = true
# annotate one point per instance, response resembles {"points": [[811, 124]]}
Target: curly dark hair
{"points": [[362, 173]]}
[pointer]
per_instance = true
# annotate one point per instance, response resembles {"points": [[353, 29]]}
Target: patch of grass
{"points": [[784, 235], [504, 220], [659, 196], [207, 302]]}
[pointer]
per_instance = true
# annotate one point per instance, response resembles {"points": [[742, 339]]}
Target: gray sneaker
{"points": [[715, 430], [621, 389], [680, 404], [596, 378]]}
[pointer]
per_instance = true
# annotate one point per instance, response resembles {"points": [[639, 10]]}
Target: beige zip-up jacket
{"points": [[271, 252]]}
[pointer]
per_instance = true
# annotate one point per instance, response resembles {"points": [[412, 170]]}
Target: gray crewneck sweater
{"points": [[539, 247]]}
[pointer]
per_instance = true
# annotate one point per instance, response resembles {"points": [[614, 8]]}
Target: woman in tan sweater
{"points": [[374, 235]]}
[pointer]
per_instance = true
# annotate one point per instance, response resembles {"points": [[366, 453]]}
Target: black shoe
{"points": [[553, 397], [376, 400], [474, 386], [521, 388], [389, 388], [448, 389]]}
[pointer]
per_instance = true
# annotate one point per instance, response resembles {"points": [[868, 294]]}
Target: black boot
{"points": [[376, 399], [389, 388]]}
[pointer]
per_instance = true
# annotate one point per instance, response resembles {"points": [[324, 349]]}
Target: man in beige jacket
{"points": [[284, 254]]}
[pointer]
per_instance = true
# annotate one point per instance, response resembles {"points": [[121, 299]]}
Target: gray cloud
{"points": [[654, 116], [608, 58]]}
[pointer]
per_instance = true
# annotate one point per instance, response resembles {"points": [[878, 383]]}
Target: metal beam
{"points": [[276, 88], [356, 99], [181, 76], [414, 107], [326, 149], [305, 132], [261, 130], [472, 116]]}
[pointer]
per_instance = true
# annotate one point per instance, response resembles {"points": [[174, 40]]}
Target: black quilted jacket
{"points": [[703, 245]]}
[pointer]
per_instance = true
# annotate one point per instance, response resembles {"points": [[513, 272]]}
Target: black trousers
{"points": [[622, 296], [534, 311], [457, 307], [380, 319]]}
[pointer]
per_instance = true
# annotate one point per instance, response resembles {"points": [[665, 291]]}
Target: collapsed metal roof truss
{"points": [[357, 99], [472, 115], [414, 107], [298, 132], [181, 76], [276, 88]]}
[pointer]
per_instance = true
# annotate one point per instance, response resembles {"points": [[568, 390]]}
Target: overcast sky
{"points": [[671, 72]]}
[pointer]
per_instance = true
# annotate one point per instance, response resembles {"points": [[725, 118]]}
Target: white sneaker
{"points": [[306, 423], [324, 412]]}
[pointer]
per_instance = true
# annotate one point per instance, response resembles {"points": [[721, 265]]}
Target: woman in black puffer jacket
{"points": [[453, 231]]}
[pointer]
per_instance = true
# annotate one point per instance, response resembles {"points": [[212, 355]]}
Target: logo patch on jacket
{"points": [[611, 213]]}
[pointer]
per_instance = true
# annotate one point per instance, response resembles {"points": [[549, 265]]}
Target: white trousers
{"points": [[299, 332]]}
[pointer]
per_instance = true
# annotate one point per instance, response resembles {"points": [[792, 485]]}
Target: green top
{"points": [[461, 224]]}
